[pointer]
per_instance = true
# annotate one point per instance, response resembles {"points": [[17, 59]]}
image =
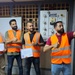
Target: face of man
{"points": [[30, 27], [59, 28], [13, 25]]}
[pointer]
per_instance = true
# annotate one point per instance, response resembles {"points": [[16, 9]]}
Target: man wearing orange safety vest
{"points": [[34, 41], [2, 58], [13, 45], [59, 44]]}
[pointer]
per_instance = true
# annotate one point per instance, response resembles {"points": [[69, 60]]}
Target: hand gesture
{"points": [[14, 39], [4, 50], [56, 45], [34, 44]]}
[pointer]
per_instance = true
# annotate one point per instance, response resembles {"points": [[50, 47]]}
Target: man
{"points": [[13, 45], [59, 43], [2, 58], [32, 40]]}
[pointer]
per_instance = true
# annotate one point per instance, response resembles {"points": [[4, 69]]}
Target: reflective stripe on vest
{"points": [[36, 51], [65, 56], [28, 45], [13, 47], [64, 48]]}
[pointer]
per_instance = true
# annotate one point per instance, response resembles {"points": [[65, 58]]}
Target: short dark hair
{"points": [[55, 24], [29, 22], [11, 21]]}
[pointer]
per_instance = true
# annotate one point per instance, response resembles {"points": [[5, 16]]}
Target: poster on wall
{"points": [[47, 19]]}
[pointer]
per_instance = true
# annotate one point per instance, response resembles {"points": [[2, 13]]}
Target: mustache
{"points": [[14, 28]]}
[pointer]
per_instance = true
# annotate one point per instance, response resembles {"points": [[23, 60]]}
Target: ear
{"points": [[73, 34]]}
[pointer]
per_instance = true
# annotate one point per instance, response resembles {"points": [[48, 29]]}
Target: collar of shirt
{"points": [[31, 32], [59, 35]]}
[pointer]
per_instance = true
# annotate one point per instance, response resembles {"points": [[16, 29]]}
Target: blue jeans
{"points": [[64, 68], [36, 63], [10, 59]]}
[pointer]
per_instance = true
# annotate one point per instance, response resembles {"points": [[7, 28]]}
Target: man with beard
{"points": [[59, 44], [13, 45], [33, 40]]}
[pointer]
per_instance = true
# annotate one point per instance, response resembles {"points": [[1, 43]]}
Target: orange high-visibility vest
{"points": [[28, 43], [62, 54], [1, 41], [13, 47]]}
